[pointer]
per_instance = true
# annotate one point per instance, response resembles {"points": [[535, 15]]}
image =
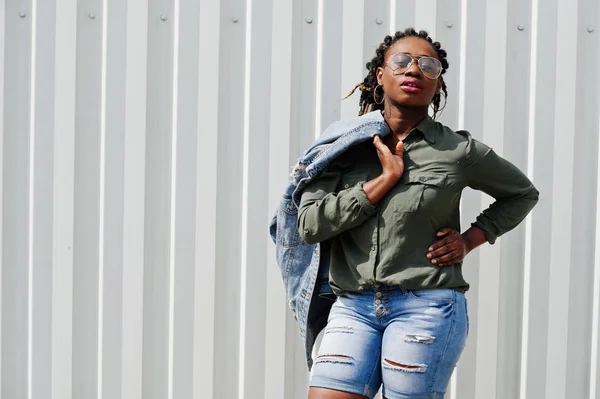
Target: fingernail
{"points": [[430, 248], [434, 261], [428, 256]]}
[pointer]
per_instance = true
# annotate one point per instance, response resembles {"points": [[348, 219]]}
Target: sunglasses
{"points": [[431, 67]]}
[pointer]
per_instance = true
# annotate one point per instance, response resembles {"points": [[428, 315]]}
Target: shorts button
{"points": [[379, 295]]}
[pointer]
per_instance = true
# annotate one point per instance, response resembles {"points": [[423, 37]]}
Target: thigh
{"points": [[422, 344], [348, 359]]}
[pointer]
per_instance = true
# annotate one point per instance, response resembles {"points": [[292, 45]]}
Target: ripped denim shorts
{"points": [[407, 340]]}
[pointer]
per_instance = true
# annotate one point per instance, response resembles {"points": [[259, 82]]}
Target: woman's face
{"points": [[410, 88]]}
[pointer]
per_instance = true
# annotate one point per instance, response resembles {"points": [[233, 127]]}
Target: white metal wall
{"points": [[144, 147]]}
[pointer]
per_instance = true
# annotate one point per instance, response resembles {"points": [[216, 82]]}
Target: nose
{"points": [[413, 70]]}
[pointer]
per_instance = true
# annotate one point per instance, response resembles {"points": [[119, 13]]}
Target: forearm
{"points": [[505, 214], [515, 194], [473, 237], [324, 218], [378, 188]]}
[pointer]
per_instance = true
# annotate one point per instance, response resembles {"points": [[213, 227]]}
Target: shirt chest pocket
{"points": [[417, 190]]}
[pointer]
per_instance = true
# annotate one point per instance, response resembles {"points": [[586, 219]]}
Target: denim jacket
{"points": [[304, 267]]}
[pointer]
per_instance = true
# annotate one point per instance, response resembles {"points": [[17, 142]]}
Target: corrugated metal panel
{"points": [[145, 145], [16, 205], [63, 198], [134, 204]]}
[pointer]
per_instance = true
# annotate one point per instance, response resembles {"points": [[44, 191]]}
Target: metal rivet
{"points": [[521, 27], [378, 21], [22, 14], [449, 24], [163, 17], [92, 15], [235, 20], [590, 29], [309, 20]]}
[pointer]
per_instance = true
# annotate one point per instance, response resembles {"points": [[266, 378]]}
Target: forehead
{"points": [[412, 45]]}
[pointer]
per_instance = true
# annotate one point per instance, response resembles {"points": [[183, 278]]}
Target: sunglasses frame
{"points": [[413, 59]]}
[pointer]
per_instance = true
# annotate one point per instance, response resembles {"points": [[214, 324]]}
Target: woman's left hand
{"points": [[449, 250]]}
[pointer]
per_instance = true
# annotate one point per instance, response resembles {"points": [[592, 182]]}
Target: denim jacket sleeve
{"points": [[325, 212]]}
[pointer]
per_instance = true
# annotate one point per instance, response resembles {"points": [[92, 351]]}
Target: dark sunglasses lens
{"points": [[430, 67]]}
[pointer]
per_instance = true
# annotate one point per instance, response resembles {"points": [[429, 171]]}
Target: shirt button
{"points": [[373, 248], [346, 185], [378, 302], [422, 178], [306, 231], [379, 295], [379, 311]]}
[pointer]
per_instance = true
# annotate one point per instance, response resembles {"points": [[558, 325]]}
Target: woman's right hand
{"points": [[393, 167], [392, 163]]}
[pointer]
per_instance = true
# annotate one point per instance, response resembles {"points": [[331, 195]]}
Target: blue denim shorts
{"points": [[407, 340]]}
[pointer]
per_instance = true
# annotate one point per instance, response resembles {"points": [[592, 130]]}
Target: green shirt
{"points": [[388, 243]]}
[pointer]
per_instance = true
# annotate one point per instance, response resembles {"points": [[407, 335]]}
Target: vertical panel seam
{"points": [[102, 198], [528, 222], [245, 177], [2, 102], [319, 68], [173, 204], [596, 289], [462, 73], [31, 200]]}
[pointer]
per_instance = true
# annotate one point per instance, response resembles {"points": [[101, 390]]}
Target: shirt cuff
{"points": [[366, 206], [490, 231]]}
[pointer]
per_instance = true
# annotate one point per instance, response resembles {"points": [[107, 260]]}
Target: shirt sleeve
{"points": [[514, 193], [325, 212]]}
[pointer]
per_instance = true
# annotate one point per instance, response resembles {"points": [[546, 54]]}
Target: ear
{"points": [[379, 74]]}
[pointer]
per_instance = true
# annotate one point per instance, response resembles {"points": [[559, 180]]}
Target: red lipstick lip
{"points": [[411, 83]]}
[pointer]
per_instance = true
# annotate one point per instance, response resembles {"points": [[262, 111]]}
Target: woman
{"points": [[388, 209]]}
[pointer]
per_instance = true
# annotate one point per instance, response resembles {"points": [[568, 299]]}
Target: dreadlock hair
{"points": [[367, 87]]}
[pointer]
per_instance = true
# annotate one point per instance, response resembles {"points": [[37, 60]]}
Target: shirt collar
{"points": [[428, 127]]}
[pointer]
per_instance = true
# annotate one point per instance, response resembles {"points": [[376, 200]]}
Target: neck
{"points": [[402, 120]]}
